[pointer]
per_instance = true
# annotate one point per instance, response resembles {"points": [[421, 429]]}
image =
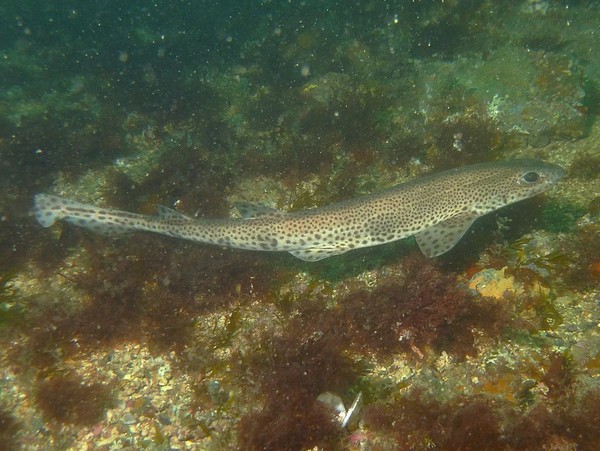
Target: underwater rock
{"points": [[495, 284], [534, 97]]}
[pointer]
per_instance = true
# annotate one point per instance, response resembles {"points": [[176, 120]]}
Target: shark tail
{"points": [[48, 209]]}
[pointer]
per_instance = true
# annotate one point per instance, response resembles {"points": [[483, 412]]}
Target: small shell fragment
{"points": [[345, 416], [352, 413]]}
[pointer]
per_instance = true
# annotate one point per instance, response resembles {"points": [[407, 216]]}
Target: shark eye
{"points": [[531, 177]]}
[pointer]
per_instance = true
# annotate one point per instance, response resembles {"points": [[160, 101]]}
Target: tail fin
{"points": [[48, 209]]}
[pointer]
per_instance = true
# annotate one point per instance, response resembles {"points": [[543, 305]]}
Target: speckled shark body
{"points": [[437, 209]]}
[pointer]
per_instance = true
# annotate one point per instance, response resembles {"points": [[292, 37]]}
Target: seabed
{"points": [[147, 342]]}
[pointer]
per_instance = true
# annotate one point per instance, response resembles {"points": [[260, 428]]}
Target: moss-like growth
{"points": [[427, 309], [418, 422], [69, 400], [291, 369], [583, 251], [466, 139], [585, 166], [293, 424], [559, 377], [9, 427], [146, 290], [568, 423], [561, 217]]}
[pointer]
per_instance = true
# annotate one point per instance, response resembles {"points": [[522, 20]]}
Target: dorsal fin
{"points": [[169, 213], [443, 236], [250, 211]]}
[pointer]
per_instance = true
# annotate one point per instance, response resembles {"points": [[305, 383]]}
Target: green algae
{"points": [[8, 306], [561, 218]]}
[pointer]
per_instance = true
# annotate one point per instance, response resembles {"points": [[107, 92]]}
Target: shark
{"points": [[436, 209]]}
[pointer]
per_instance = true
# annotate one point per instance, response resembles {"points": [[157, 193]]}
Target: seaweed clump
{"points": [[143, 290], [427, 309], [279, 427], [559, 376], [583, 250], [69, 400], [468, 138], [566, 423], [292, 369], [586, 167], [310, 355], [419, 422], [9, 427]]}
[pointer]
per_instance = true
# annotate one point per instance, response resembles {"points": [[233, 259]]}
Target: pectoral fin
{"points": [[443, 236]]}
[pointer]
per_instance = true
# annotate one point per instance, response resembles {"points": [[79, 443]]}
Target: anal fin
{"points": [[442, 237]]}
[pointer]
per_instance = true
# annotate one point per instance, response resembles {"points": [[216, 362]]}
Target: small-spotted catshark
{"points": [[437, 209]]}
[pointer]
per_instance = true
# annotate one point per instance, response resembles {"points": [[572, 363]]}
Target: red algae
{"points": [[582, 251], [427, 309], [9, 427], [143, 290], [559, 376], [291, 368], [423, 310], [473, 423], [69, 400], [416, 421], [470, 138], [290, 423], [306, 360]]}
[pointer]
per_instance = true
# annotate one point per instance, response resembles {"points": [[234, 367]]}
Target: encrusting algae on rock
{"points": [[496, 284]]}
